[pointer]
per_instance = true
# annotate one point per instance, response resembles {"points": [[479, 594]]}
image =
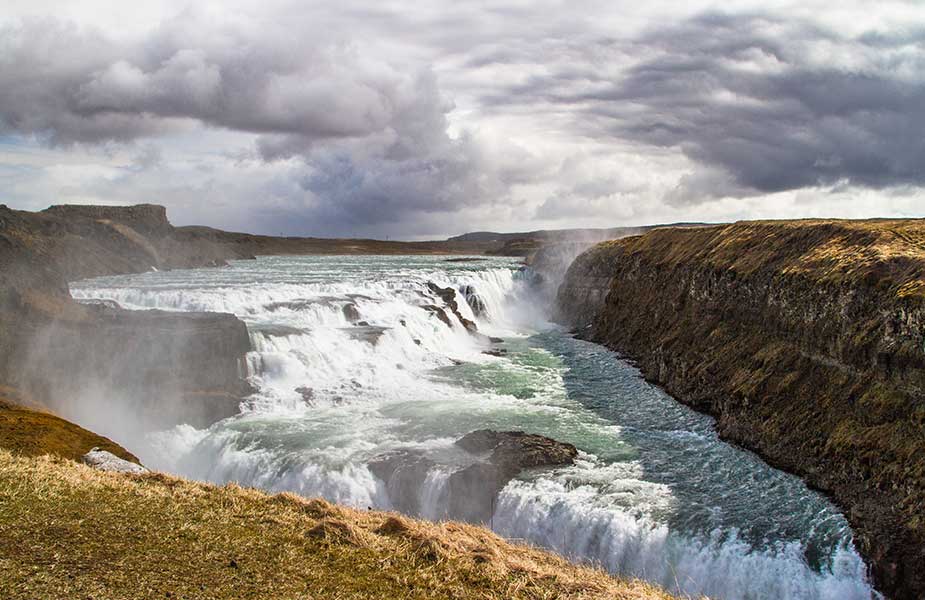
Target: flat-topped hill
{"points": [[888, 252]]}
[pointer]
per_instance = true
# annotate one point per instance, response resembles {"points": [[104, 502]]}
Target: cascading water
{"points": [[358, 358]]}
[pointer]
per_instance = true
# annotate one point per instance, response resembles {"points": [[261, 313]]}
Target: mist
{"points": [[125, 374]]}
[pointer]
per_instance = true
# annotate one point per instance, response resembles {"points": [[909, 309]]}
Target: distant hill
{"points": [[591, 234], [527, 243]]}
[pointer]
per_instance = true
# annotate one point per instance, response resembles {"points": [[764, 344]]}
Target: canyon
{"points": [[805, 341]]}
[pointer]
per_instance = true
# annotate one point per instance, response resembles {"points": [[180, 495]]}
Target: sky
{"points": [[428, 119]]}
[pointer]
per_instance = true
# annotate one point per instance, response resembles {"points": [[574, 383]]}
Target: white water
{"points": [[654, 494]]}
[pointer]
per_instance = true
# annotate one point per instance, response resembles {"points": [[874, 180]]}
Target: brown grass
{"points": [[889, 252], [34, 432], [71, 532]]}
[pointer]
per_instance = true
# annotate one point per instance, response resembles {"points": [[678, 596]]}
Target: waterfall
{"points": [[359, 358]]}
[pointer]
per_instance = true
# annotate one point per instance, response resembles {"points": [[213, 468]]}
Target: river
{"points": [[654, 493]]}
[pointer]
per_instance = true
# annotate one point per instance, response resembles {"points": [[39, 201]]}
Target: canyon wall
{"points": [[100, 365], [806, 341]]}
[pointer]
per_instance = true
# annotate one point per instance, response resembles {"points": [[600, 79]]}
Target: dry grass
{"points": [[71, 532], [890, 253], [31, 431]]}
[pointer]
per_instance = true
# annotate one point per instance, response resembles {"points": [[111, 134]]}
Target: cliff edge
{"points": [[806, 341], [99, 363]]}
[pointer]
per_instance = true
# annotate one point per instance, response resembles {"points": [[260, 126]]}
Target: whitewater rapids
{"points": [[352, 360]]}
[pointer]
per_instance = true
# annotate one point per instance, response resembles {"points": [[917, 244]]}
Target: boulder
{"points": [[473, 490], [474, 301], [351, 312], [107, 461]]}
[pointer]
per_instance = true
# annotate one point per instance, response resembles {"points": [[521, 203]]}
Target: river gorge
{"points": [[359, 359]]}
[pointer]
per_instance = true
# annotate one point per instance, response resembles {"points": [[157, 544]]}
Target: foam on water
{"points": [[654, 494]]}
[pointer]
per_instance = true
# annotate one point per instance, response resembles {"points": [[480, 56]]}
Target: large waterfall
{"points": [[355, 358]]}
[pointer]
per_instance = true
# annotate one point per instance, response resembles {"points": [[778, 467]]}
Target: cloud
{"points": [[371, 135], [76, 85], [761, 103], [347, 118]]}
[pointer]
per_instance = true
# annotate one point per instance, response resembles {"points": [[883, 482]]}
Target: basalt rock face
{"points": [[182, 367], [805, 339], [472, 490], [448, 295], [492, 459], [154, 368]]}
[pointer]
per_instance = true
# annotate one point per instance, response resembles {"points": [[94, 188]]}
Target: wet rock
{"points": [[448, 295], [277, 330], [497, 352], [487, 461], [107, 461], [439, 313], [518, 449], [302, 303], [100, 302], [404, 473], [370, 333], [474, 301], [472, 491], [351, 312], [307, 393]]}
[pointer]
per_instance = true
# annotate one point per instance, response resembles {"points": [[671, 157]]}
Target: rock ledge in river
{"points": [[472, 490]]}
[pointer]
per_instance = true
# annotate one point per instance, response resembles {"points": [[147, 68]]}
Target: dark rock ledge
{"points": [[472, 490]]}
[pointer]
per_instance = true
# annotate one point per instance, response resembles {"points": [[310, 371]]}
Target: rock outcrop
{"points": [[448, 295], [471, 490], [163, 367], [107, 461], [805, 339]]}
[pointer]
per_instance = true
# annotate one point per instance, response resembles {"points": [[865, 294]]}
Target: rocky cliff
{"points": [[100, 362], [806, 340], [157, 367]]}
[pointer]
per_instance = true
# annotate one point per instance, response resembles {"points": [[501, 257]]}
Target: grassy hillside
{"points": [[34, 432], [71, 532]]}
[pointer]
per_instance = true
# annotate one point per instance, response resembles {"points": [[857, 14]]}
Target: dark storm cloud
{"points": [[372, 136], [73, 85], [756, 98]]}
